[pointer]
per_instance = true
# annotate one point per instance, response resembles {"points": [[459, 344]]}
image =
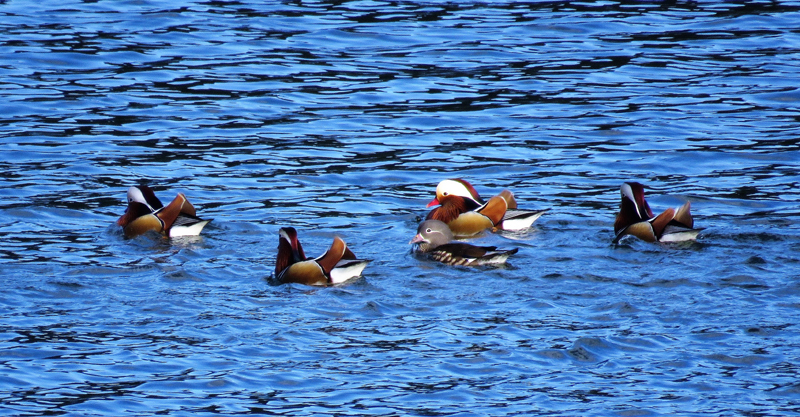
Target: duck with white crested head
{"points": [[462, 209]]}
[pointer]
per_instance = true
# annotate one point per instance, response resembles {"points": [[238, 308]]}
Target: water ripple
{"points": [[340, 119]]}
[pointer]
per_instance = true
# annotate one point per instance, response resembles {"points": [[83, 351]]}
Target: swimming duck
{"points": [[636, 219], [461, 207], [435, 239], [145, 213], [336, 265]]}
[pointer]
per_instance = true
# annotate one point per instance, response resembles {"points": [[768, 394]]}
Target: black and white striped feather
{"points": [[434, 239]]}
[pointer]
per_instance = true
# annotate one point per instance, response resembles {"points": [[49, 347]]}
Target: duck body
{"points": [[338, 264], [463, 210], [635, 218], [146, 213], [434, 239], [463, 220]]}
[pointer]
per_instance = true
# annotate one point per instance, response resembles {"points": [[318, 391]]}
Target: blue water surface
{"points": [[339, 119]]}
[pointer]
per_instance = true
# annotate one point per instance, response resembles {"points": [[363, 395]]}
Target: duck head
{"points": [[290, 250], [456, 188], [430, 234], [144, 195], [632, 208]]}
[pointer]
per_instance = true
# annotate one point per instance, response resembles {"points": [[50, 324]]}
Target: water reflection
{"points": [[341, 118]]}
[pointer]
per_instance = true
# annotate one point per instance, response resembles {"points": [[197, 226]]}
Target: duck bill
{"points": [[417, 239], [434, 202]]}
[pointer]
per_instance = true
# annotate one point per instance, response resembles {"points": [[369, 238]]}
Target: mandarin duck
{"points": [[636, 219], [434, 238], [461, 207], [338, 264], [145, 213]]}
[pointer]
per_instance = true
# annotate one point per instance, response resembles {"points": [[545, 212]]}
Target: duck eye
{"points": [[428, 230], [445, 193]]}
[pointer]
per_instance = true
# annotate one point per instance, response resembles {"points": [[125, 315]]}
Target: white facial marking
{"points": [[135, 194], [448, 187], [627, 192], [285, 236]]}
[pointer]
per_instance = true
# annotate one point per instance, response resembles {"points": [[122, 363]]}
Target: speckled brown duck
{"points": [[434, 239]]}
